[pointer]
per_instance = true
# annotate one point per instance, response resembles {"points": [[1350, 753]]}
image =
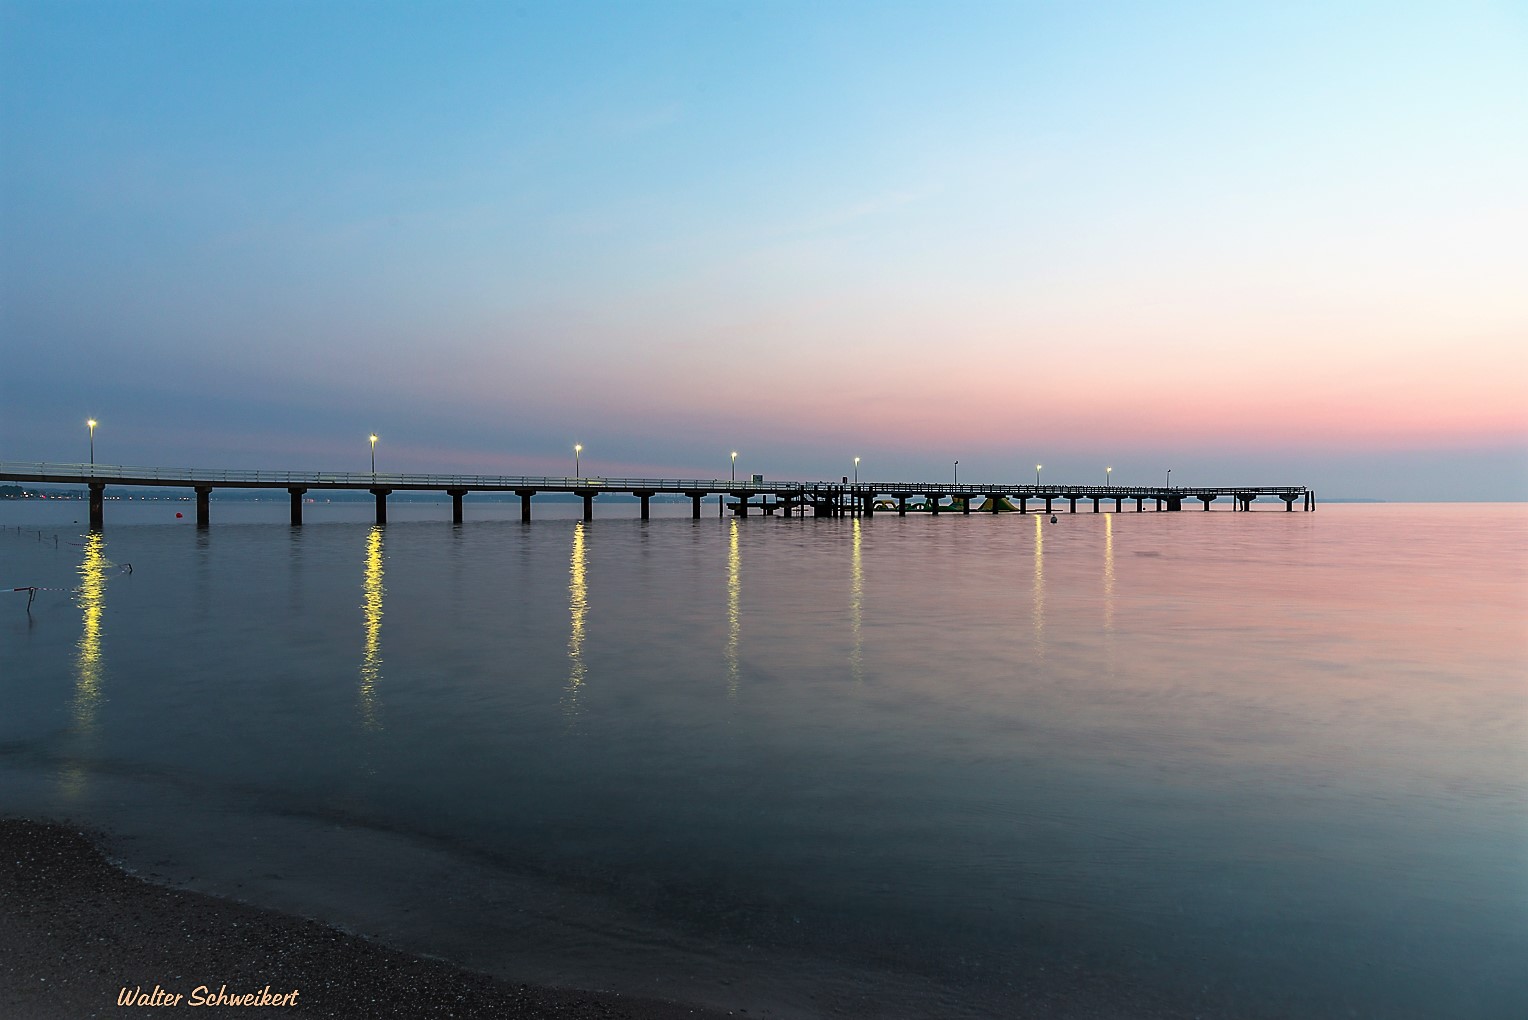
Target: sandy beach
{"points": [[78, 935]]}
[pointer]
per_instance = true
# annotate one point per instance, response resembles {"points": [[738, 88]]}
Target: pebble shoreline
{"points": [[75, 930]]}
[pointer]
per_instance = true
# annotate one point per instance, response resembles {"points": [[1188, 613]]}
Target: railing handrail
{"points": [[232, 477]]}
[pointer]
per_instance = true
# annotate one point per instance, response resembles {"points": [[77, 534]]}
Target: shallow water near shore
{"points": [[1264, 765]]}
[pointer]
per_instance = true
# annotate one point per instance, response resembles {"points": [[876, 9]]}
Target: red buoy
{"points": [[179, 514]]}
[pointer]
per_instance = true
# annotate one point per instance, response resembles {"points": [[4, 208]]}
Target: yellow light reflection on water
{"points": [[1109, 593], [856, 605], [372, 590], [1039, 594], [87, 660], [734, 607], [578, 609], [1109, 573]]}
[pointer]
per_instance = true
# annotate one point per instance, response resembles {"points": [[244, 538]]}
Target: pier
{"points": [[787, 498]]}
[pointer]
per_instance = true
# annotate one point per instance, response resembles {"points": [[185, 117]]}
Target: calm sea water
{"points": [[1260, 765]]}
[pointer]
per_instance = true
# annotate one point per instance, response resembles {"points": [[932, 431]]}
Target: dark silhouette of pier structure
{"points": [[817, 499]]}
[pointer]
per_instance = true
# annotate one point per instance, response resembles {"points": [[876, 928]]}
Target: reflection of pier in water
{"points": [[788, 499]]}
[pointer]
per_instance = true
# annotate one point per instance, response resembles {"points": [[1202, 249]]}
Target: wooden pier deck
{"points": [[787, 498]]}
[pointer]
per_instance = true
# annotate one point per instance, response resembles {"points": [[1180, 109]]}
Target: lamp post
{"points": [[957, 472], [92, 424], [734, 466], [1169, 478], [373, 453], [856, 470], [1107, 470], [578, 449], [1037, 476]]}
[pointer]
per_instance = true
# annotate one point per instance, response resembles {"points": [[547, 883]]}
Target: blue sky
{"points": [[1255, 243]]}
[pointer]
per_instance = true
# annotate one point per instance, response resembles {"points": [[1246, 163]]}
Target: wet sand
{"points": [[76, 930]]}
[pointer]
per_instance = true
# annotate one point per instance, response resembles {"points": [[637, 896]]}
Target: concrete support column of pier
{"points": [[588, 504], [1140, 503], [297, 495], [992, 501], [1072, 507], [1047, 504], [1174, 503], [525, 503], [1023, 504], [97, 506], [1289, 499], [203, 505], [740, 508], [644, 496], [901, 506], [456, 504], [381, 495], [933, 504], [695, 498], [1207, 500], [965, 504], [1119, 501], [869, 504], [1159, 504]]}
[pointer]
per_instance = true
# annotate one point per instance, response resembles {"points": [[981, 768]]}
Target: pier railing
{"points": [[236, 477]]}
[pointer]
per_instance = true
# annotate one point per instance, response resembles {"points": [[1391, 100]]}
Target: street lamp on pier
{"points": [[734, 466], [856, 470], [373, 453], [957, 472], [578, 449], [1037, 476], [1107, 472], [92, 423], [1169, 478]]}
